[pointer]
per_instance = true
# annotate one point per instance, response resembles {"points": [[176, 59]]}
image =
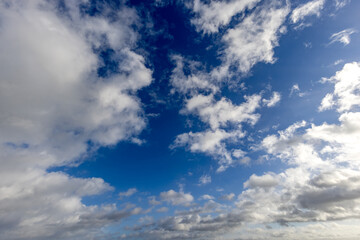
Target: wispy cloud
{"points": [[307, 9], [342, 36]]}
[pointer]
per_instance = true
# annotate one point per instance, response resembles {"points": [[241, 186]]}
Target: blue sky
{"points": [[189, 119]]}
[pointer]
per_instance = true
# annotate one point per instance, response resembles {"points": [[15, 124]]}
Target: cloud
{"points": [[208, 17], [307, 9], [347, 85], [192, 83], [227, 197], [204, 179], [53, 103], [295, 89], [218, 114], [341, 3], [162, 209], [177, 198], [153, 201], [128, 193], [264, 181], [253, 39], [342, 36], [275, 98], [206, 197]]}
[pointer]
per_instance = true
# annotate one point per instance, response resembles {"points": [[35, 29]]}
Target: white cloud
{"points": [[342, 36], [327, 102], [52, 104], [210, 18], [275, 98], [265, 181], [253, 39], [206, 197], [307, 9], [220, 113], [128, 193], [177, 198], [347, 86], [295, 89], [204, 179], [192, 83]]}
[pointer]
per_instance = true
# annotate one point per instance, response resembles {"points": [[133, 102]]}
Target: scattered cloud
{"points": [[275, 98], [347, 87], [295, 89], [177, 198], [208, 17], [204, 179], [341, 3], [342, 36], [206, 197], [253, 39], [227, 197], [307, 9], [162, 209], [128, 193], [307, 44]]}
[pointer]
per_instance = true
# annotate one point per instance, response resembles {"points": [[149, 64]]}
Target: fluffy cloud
{"points": [[307, 9], [223, 112], [253, 39], [53, 103], [321, 184], [209, 19], [219, 115], [264, 181], [347, 86], [177, 198], [342, 36]]}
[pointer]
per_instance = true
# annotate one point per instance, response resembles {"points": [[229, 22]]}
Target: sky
{"points": [[193, 119]]}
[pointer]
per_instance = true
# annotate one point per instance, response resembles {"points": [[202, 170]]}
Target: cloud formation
{"points": [[319, 187], [342, 36], [53, 103], [307, 9]]}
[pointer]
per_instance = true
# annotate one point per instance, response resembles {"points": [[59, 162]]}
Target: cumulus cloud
{"points": [[307, 9], [206, 197], [53, 104], [347, 85], [264, 181], [342, 36], [218, 115], [177, 198], [320, 184]]}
